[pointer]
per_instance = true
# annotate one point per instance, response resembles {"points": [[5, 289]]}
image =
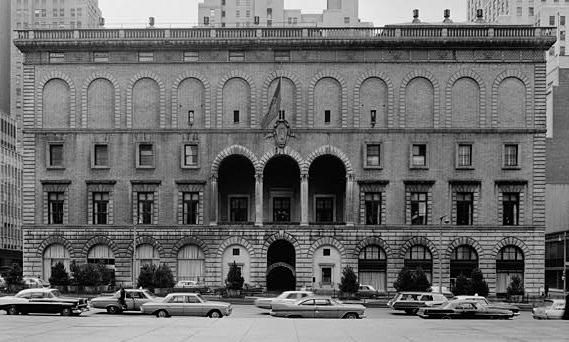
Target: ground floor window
{"points": [[102, 255], [146, 254], [191, 263], [52, 255], [372, 268], [509, 263], [419, 256]]}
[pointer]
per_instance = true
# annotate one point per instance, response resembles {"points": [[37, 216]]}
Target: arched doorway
{"points": [[463, 261], [281, 260], [281, 186], [327, 189], [236, 190]]}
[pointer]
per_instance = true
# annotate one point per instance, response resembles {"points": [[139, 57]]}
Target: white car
{"points": [[285, 297], [495, 305], [551, 309]]}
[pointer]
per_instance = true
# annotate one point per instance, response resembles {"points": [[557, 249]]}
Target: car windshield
{"points": [[200, 298], [547, 303], [336, 301], [55, 293], [149, 294]]}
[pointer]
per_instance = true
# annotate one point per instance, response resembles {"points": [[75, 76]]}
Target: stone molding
{"points": [[299, 120], [481, 101], [189, 240], [236, 240], [495, 87], [390, 96], [207, 94], [99, 240], [403, 92], [83, 121], [343, 91], [129, 101], [419, 240], [39, 97], [253, 99]]}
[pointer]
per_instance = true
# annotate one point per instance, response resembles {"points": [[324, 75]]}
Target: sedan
{"points": [[42, 300], [551, 309], [134, 298], [285, 297], [494, 305], [459, 309], [187, 304], [318, 307]]}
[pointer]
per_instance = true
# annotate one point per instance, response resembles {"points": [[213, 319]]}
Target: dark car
{"points": [[461, 309], [494, 305], [42, 300], [318, 307]]}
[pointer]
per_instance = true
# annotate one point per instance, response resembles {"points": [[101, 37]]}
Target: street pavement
{"points": [[248, 323]]}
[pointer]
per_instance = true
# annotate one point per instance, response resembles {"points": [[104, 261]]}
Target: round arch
{"points": [[372, 240], [510, 241], [55, 239], [39, 97], [298, 94], [390, 95], [189, 240], [234, 149], [99, 240], [207, 105], [403, 91], [235, 240], [481, 101], [130, 105], [495, 87], [419, 241], [461, 241], [145, 239], [84, 89], [344, 86], [330, 241], [287, 151], [331, 150], [221, 84]]}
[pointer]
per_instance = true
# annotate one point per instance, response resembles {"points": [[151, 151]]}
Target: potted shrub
{"points": [[59, 277], [404, 280], [478, 284], [146, 277], [91, 278], [234, 281], [107, 277], [163, 280], [420, 281], [75, 271], [349, 283], [14, 278], [462, 286], [515, 289]]}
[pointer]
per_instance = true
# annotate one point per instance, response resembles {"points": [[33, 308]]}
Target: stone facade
{"points": [[419, 127]]}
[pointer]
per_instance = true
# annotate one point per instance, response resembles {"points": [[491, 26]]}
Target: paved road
{"points": [[251, 324]]}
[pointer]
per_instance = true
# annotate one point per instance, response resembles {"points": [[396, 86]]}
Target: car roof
{"points": [[182, 294], [469, 297], [37, 289]]}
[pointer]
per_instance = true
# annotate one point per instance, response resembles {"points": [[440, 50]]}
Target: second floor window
{"points": [[55, 202], [419, 155], [190, 155], [324, 209], [100, 207], [373, 207], [511, 155], [464, 155], [191, 207], [281, 209], [511, 208], [145, 207], [55, 155], [418, 208], [238, 209], [145, 155], [373, 155], [101, 158], [464, 206]]}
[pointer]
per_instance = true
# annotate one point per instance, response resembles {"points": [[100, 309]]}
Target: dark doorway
{"points": [[280, 279], [281, 261]]}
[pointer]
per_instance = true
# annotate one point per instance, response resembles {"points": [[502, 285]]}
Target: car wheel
{"points": [[351, 315], [66, 312], [162, 314], [113, 310], [214, 314], [12, 310]]}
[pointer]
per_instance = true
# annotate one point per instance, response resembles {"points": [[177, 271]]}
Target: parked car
{"points": [[42, 300], [34, 282], [411, 302], [317, 307], [445, 291], [3, 284], [285, 297], [551, 309], [191, 286], [464, 309], [134, 298], [367, 291], [188, 304], [494, 305]]}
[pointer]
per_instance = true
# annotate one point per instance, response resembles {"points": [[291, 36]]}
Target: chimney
{"points": [[479, 16], [416, 19], [447, 19], [151, 21]]}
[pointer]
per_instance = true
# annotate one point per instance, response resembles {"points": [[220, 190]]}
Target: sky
{"points": [[171, 13]]}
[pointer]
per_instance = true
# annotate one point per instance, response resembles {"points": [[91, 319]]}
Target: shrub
{"points": [[85, 275], [14, 275], [59, 275], [477, 283], [163, 277], [462, 286], [421, 283], [146, 277], [349, 281], [404, 280], [107, 275], [234, 279], [516, 286]]}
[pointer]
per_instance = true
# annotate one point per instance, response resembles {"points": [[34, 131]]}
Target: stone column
{"points": [[259, 199], [304, 205], [349, 210], [214, 199]]}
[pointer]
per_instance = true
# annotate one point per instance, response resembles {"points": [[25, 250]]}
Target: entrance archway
{"points": [[281, 260]]}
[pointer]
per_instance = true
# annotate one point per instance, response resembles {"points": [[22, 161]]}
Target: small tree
{"points": [[90, 275], [107, 275], [421, 283], [163, 277], [146, 277], [404, 280], [234, 279], [516, 286], [14, 277], [477, 283], [462, 286], [349, 282], [59, 275]]}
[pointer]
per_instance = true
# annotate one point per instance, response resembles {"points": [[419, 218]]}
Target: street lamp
{"points": [[440, 250]]}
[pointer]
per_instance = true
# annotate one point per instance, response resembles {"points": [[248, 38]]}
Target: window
{"points": [[562, 51], [100, 57], [327, 116], [55, 202], [551, 20], [419, 155], [145, 207], [530, 11], [238, 209], [269, 13], [223, 14], [191, 56], [464, 158], [282, 55], [511, 208], [101, 155], [326, 252], [191, 207], [519, 11], [373, 155], [562, 20], [56, 57], [511, 155], [562, 35], [222, 2], [346, 20], [235, 116], [146, 56], [418, 208], [206, 20], [281, 209], [326, 275], [373, 207], [324, 209], [464, 206], [236, 56], [145, 155], [100, 207], [55, 155], [190, 155], [235, 251]]}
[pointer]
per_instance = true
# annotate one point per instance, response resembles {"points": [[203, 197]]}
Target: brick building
{"points": [[386, 133]]}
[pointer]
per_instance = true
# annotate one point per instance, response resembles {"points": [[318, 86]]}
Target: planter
{"points": [[72, 288], [91, 289], [516, 298], [233, 293]]}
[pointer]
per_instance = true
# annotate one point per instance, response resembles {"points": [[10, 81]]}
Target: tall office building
{"points": [[250, 13], [5, 44]]}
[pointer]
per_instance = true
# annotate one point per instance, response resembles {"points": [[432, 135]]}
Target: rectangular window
{"points": [[191, 203], [223, 14], [562, 20], [346, 20], [236, 56], [56, 57], [72, 11], [562, 35], [269, 13], [146, 56], [55, 207], [562, 51], [326, 252], [236, 116], [191, 56], [519, 11], [373, 207], [511, 208], [464, 155], [419, 155], [281, 209], [324, 209], [100, 207], [418, 208], [239, 209], [145, 155], [282, 55], [206, 21], [100, 57], [101, 155], [373, 155], [511, 155], [530, 12], [235, 251], [464, 208], [145, 207], [327, 116], [55, 155], [326, 275], [190, 155], [551, 20]]}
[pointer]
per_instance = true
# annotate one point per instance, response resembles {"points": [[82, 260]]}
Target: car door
{"points": [[175, 305], [129, 300], [138, 299], [325, 309], [193, 306], [305, 309]]}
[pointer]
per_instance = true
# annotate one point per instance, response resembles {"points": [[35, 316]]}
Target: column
{"points": [[304, 205], [213, 202], [259, 199], [349, 214]]}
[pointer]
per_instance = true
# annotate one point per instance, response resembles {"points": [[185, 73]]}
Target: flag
{"points": [[274, 107]]}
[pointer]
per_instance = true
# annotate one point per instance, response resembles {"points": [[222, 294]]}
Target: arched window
{"points": [[509, 263], [52, 255], [372, 267], [191, 263], [420, 256], [463, 260], [146, 254], [102, 254]]}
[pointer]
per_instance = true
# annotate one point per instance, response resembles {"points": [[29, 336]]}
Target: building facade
{"points": [[251, 13], [143, 152]]}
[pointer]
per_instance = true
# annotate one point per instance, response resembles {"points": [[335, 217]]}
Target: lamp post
{"points": [[440, 253]]}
